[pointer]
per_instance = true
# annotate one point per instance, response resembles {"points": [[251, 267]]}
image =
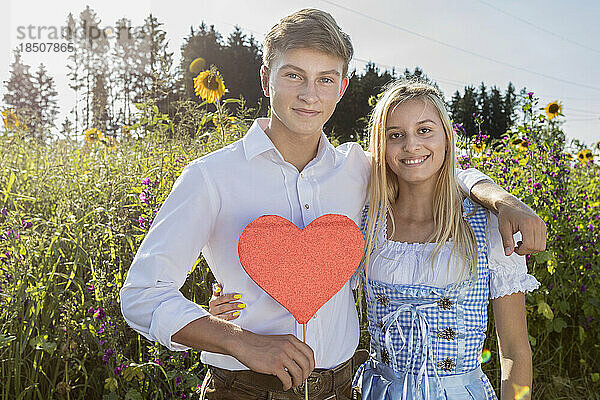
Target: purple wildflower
{"points": [[144, 196], [530, 94], [146, 181], [3, 211], [100, 313], [551, 286], [101, 342], [178, 381], [537, 185], [118, 369], [91, 310], [107, 354], [583, 288], [141, 221], [11, 232], [89, 288], [158, 361], [26, 224]]}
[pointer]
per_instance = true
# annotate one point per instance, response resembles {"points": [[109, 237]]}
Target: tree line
{"points": [[108, 77]]}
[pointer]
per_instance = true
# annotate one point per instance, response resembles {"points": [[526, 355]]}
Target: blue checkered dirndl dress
{"points": [[425, 340]]}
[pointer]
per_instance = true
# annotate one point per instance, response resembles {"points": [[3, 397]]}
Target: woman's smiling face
{"points": [[415, 141]]}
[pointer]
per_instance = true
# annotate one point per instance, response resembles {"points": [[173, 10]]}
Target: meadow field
{"points": [[73, 213]]}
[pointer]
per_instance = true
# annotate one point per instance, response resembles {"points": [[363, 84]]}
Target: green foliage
{"points": [[72, 217], [534, 164]]}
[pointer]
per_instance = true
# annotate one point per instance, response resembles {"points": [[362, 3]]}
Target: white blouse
{"points": [[408, 263]]}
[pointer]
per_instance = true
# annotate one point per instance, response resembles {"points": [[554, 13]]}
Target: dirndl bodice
{"points": [[426, 341]]}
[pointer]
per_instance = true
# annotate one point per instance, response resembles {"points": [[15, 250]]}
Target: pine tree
{"points": [[497, 114], [153, 77], [33, 97], [100, 114], [510, 102], [126, 64], [20, 89], [464, 108], [45, 101], [66, 128], [88, 59], [355, 103], [484, 108], [240, 62]]}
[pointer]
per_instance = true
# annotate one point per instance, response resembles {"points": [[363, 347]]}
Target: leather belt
{"points": [[320, 381]]}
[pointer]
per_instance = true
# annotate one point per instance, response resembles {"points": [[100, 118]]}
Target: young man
{"points": [[284, 165]]}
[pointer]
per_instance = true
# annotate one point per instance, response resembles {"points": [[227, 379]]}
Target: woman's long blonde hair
{"points": [[447, 202]]}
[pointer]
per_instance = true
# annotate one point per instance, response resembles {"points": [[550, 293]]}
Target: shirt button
{"points": [[306, 206]]}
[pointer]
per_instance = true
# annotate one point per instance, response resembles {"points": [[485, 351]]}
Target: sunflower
{"points": [[478, 147], [598, 145], [520, 144], [585, 156], [197, 65], [553, 109], [10, 119], [93, 135], [209, 85]]}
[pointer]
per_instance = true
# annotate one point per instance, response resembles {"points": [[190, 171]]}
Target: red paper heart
{"points": [[301, 269]]}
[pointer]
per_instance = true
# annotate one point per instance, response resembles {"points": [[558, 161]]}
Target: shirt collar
{"points": [[257, 142]]}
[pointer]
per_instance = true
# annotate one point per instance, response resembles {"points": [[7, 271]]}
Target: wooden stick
{"points": [[306, 381]]}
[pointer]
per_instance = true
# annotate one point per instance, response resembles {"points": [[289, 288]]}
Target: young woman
{"points": [[432, 262]]}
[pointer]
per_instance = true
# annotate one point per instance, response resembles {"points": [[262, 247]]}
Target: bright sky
{"points": [[549, 46]]}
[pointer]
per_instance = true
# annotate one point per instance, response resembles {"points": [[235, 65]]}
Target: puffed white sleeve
{"points": [[508, 274], [467, 178]]}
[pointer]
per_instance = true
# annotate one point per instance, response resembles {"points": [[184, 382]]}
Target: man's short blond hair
{"points": [[308, 28]]}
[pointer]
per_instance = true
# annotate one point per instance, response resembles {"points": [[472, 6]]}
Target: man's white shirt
{"points": [[209, 206]]}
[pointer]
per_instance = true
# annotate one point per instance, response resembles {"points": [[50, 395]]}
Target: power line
{"points": [[472, 53], [455, 83], [531, 24]]}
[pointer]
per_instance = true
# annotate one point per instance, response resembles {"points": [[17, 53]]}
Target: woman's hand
{"points": [[225, 306]]}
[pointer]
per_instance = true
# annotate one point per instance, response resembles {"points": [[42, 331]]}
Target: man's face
{"points": [[304, 86]]}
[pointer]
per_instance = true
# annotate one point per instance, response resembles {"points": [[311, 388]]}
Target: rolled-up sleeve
{"points": [[467, 178], [151, 301]]}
